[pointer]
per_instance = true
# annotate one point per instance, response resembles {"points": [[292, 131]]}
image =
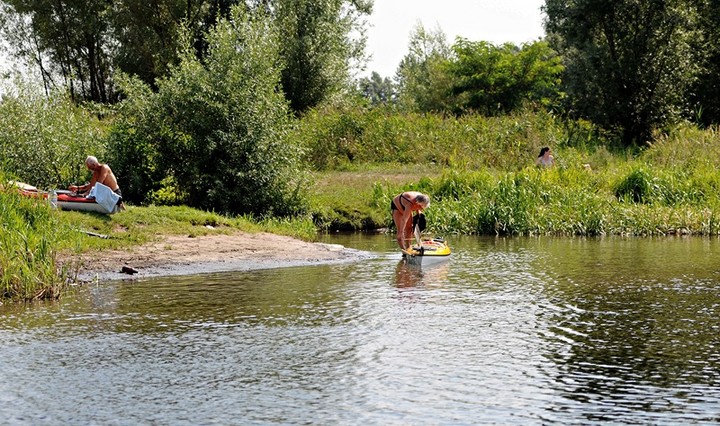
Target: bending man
{"points": [[402, 208]]}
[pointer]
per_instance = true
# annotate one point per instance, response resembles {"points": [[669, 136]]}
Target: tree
{"points": [[83, 42], [705, 93], [377, 90], [215, 131], [628, 63], [146, 33], [318, 47], [499, 79], [64, 38], [423, 81]]}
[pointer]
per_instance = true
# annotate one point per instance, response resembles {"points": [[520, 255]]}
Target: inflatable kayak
{"points": [[69, 201], [66, 200], [429, 251]]}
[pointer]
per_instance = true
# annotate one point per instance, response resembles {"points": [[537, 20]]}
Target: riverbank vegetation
{"points": [[596, 188], [246, 117], [38, 243]]}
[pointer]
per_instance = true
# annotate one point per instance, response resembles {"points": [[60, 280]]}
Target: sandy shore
{"points": [[183, 255]]}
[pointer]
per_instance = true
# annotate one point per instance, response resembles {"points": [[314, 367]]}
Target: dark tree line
{"points": [[82, 44], [630, 65], [634, 67]]}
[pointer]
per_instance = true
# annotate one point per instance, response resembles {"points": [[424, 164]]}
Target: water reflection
{"points": [[509, 331], [409, 275], [629, 329]]}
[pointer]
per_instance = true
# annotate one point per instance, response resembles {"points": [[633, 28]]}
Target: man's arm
{"points": [[96, 177]]}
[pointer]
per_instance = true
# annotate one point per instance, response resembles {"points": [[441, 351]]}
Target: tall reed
{"points": [[564, 201], [28, 240]]}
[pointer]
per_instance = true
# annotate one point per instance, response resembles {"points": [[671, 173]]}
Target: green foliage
{"points": [[320, 38], [65, 38], [45, 140], [423, 81], [133, 150], [498, 79], [217, 127], [169, 193], [558, 201], [704, 95], [635, 187], [28, 238], [377, 90], [148, 34], [336, 138], [672, 187], [629, 63]]}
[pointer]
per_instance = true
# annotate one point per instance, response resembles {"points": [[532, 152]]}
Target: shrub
{"points": [[45, 139], [218, 127]]}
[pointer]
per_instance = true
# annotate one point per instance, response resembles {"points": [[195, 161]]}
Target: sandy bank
{"points": [[184, 255]]}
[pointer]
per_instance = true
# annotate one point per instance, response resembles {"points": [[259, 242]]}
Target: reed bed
{"points": [[28, 256], [563, 201]]}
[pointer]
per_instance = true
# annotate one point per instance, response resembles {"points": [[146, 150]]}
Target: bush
{"points": [[45, 140], [218, 128], [636, 187]]}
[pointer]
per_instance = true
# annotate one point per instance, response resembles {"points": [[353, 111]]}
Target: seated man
{"points": [[101, 173]]}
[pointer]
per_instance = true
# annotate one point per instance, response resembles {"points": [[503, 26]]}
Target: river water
{"points": [[509, 331]]}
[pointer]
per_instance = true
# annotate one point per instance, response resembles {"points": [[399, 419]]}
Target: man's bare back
{"points": [[103, 174]]}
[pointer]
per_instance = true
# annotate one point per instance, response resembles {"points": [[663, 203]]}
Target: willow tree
{"points": [[422, 77], [323, 41], [65, 40], [629, 63], [215, 131]]}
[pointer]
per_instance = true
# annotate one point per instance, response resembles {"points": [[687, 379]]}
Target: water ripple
{"points": [[509, 331]]}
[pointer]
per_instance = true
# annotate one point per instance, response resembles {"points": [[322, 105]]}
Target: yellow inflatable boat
{"points": [[429, 251]]}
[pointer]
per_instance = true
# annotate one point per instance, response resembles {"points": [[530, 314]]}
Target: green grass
{"points": [[347, 199], [28, 249], [671, 187], [139, 225], [33, 237], [478, 171]]}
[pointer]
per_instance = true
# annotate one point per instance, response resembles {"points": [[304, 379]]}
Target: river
{"points": [[508, 331]]}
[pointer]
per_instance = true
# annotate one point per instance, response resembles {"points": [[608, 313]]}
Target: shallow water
{"points": [[509, 331]]}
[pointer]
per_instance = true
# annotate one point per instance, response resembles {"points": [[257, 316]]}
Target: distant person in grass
{"points": [[545, 159], [402, 208], [100, 173]]}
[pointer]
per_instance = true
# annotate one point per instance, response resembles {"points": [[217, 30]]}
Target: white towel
{"points": [[105, 197]]}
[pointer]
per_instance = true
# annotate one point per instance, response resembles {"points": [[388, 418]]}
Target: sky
{"points": [[494, 21]]}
